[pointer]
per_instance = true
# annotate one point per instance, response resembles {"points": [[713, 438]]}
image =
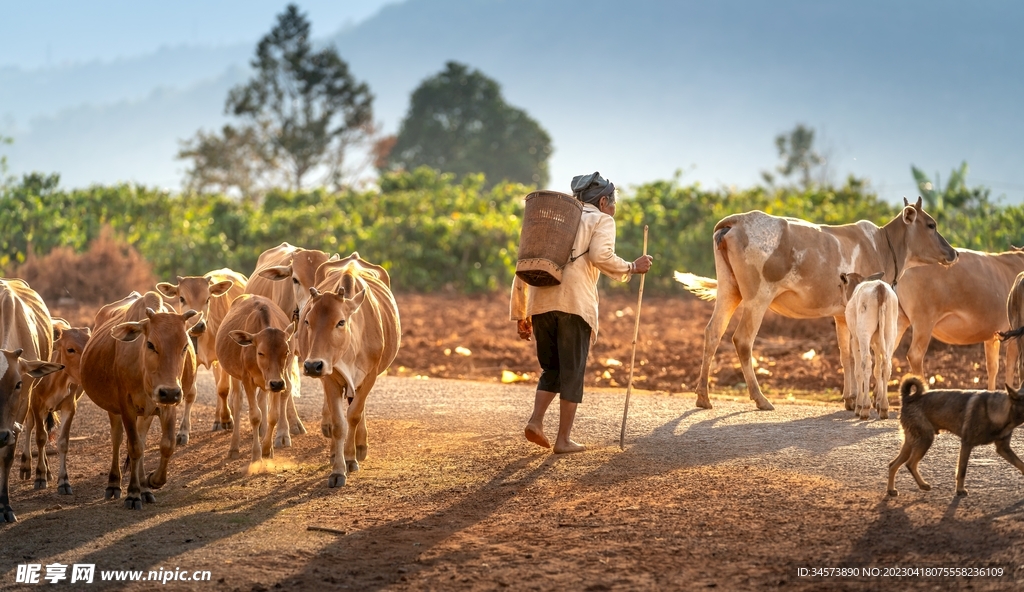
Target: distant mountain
{"points": [[634, 89]]}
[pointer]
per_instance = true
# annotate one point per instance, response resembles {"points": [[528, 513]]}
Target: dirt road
{"points": [[452, 497]]}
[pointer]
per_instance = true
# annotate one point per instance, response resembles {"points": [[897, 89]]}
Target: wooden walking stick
{"points": [[632, 357]]}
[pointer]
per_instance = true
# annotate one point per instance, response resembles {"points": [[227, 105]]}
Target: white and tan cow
{"points": [[790, 266], [285, 274], [349, 333], [872, 311], [254, 347], [55, 392], [26, 342], [960, 305], [137, 365], [210, 294]]}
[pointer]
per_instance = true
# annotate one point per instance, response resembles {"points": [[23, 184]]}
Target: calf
{"points": [[348, 334], [211, 295], [59, 391], [26, 343], [137, 365], [253, 347], [871, 315]]}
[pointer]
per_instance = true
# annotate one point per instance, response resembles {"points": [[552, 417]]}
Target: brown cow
{"points": [[960, 305], [253, 347], [138, 365], [790, 266], [1015, 316], [285, 274], [212, 295], [349, 333], [59, 391], [26, 342]]}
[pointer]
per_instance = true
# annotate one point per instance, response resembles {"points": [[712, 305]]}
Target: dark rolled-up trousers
{"points": [[563, 344]]}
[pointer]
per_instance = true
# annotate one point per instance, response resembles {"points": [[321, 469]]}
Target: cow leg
{"points": [[68, 408], [145, 423], [919, 347], [1012, 364], [277, 421], [355, 440], [743, 340], [6, 462], [272, 402], [726, 303], [859, 370], [114, 477], [38, 415], [186, 416], [158, 478], [339, 472], [223, 418], [295, 425], [992, 362], [135, 445], [847, 361], [25, 471], [882, 376]]}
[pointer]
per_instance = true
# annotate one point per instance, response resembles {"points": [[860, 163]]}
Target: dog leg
{"points": [[1003, 448], [961, 468], [895, 466], [916, 454]]}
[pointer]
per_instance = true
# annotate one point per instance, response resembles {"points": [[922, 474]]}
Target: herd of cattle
{"points": [[139, 362], [339, 317]]}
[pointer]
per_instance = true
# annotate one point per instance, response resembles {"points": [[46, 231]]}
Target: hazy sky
{"points": [[43, 33]]}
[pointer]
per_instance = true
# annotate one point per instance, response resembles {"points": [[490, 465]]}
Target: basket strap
{"points": [[572, 259]]}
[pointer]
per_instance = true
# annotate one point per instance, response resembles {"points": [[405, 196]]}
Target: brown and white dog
{"points": [[978, 417]]}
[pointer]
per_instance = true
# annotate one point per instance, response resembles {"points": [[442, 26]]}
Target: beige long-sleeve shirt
{"points": [[577, 294]]}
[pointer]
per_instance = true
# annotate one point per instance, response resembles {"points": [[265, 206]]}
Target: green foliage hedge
{"points": [[430, 231]]}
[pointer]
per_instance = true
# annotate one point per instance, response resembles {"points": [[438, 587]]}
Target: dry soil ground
{"points": [[452, 496]]}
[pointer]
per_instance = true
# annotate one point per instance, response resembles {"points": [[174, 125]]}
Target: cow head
{"points": [[16, 375], [68, 344], [301, 271], [848, 282], [273, 354], [194, 293], [163, 355], [327, 328], [922, 243]]}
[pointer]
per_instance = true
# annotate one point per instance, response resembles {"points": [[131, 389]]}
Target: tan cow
{"points": [[59, 391], [26, 342], [871, 313], [137, 365], [212, 295], [960, 305], [349, 333], [1015, 317], [285, 274], [790, 266], [253, 346]]}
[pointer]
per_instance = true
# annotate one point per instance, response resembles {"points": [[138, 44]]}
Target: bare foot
{"points": [[536, 435], [569, 448]]}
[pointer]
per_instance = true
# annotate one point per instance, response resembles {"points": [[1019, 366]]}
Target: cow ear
{"points": [[221, 288], [314, 292], [129, 331], [335, 257], [1013, 394], [354, 302], [37, 369], [845, 279], [57, 332], [276, 273], [289, 331], [909, 215], [876, 276], [241, 338], [88, 331], [150, 313], [168, 290]]}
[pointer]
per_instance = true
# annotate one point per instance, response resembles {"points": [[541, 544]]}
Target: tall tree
{"points": [[301, 112], [458, 122], [956, 194], [233, 160], [796, 149]]}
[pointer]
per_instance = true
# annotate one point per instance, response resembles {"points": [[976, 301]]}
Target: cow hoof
{"points": [[849, 404], [893, 493], [284, 441], [148, 497], [927, 487], [297, 429], [25, 473], [40, 484], [64, 489], [133, 503], [268, 452], [704, 402], [961, 493], [865, 416], [361, 452], [112, 493], [765, 405], [182, 439], [234, 454], [227, 425], [336, 480], [9, 515], [883, 414], [325, 429], [351, 466], [217, 427]]}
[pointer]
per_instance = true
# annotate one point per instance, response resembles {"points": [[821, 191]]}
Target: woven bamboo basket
{"points": [[550, 221]]}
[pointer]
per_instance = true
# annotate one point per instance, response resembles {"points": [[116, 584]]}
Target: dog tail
{"points": [[911, 389]]}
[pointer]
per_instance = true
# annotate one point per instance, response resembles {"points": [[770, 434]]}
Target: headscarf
{"points": [[591, 188]]}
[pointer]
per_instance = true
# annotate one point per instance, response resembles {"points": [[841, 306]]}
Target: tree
{"points": [[458, 122], [955, 194], [796, 149], [4, 179], [301, 111]]}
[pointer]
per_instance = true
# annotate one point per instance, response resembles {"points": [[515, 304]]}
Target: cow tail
{"points": [[1011, 334], [911, 389], [52, 421]]}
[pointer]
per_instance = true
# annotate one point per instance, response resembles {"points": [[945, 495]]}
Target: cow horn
{"points": [[188, 314], [150, 312], [313, 292]]}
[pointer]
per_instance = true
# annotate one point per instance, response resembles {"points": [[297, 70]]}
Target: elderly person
{"points": [[564, 317]]}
